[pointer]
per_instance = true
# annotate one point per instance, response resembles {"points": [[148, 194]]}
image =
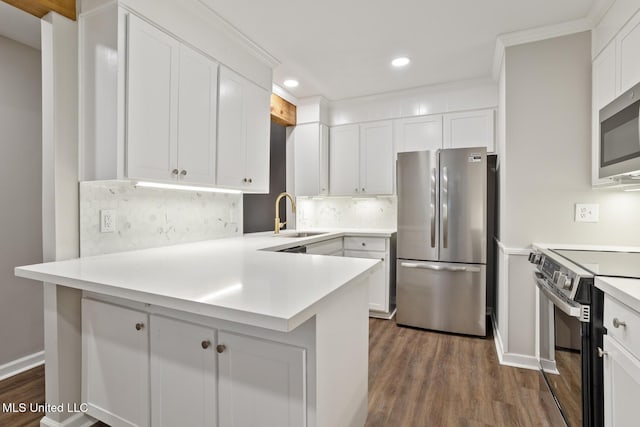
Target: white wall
{"points": [[21, 309], [545, 170]]}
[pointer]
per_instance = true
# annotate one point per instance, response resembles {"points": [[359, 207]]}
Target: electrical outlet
{"points": [[587, 212], [107, 220]]}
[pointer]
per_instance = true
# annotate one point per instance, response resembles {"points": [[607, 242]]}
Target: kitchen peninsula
{"points": [[228, 330]]}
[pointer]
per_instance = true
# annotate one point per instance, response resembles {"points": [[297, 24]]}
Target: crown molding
{"points": [[232, 31]]}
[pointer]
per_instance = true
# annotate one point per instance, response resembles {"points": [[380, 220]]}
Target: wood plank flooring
{"points": [[416, 379]]}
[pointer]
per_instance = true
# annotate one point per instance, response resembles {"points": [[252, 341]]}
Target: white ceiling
{"points": [[343, 48]]}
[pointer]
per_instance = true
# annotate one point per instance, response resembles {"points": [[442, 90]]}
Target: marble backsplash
{"points": [[347, 212], [152, 217]]}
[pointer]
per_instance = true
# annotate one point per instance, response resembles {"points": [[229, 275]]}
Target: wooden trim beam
{"points": [[282, 111], [39, 8]]}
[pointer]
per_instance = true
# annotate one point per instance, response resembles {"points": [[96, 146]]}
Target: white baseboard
{"points": [[20, 365], [512, 359], [76, 420]]}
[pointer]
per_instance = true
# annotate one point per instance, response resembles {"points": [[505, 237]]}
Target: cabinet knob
{"points": [[363, 190], [356, 190], [250, 180], [220, 348], [617, 323], [382, 259], [174, 172], [139, 326], [206, 344], [183, 172], [601, 352], [364, 244], [245, 180]]}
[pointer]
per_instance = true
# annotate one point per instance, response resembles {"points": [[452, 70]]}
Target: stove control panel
{"points": [[556, 274]]}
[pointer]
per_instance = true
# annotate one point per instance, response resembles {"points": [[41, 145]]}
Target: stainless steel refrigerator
{"points": [[442, 240]]}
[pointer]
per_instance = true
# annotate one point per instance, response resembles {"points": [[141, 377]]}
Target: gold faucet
{"points": [[278, 224]]}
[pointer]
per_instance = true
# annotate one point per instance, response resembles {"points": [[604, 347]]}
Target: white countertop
{"points": [[624, 290], [237, 279]]}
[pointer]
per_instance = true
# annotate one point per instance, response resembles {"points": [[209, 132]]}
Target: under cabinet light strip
{"points": [[185, 187]]}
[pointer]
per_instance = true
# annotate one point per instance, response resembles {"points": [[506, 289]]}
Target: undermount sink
{"points": [[300, 234]]}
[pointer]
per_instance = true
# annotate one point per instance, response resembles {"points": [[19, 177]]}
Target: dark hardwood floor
{"points": [[416, 379]]}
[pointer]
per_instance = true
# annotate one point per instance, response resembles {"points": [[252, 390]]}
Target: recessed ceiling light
{"points": [[291, 83], [400, 62]]}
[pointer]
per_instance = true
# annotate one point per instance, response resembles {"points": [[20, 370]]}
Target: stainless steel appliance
{"points": [[620, 135], [442, 240], [571, 328]]}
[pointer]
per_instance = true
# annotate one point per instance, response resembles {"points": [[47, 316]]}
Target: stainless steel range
{"points": [[569, 312], [571, 329]]}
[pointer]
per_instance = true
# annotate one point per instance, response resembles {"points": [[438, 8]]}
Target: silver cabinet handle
{"points": [[356, 190], [617, 323], [601, 353], [363, 190], [220, 348], [139, 326], [364, 244], [183, 172], [205, 344], [174, 172], [445, 207], [439, 267], [250, 180], [433, 207]]}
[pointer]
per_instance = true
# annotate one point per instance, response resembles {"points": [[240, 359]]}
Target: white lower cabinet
{"points": [[621, 385], [262, 383], [115, 364], [382, 283], [141, 369], [183, 374], [326, 247]]}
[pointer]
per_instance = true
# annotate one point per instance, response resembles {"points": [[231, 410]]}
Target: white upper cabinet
{"points": [[171, 108], [197, 118], [344, 160], [311, 163], [152, 93], [628, 47], [603, 91], [469, 129], [361, 159], [418, 133], [243, 134], [376, 158]]}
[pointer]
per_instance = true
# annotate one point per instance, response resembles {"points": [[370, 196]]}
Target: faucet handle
{"points": [[282, 224]]}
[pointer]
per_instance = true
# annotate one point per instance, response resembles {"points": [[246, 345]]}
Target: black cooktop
{"points": [[605, 263]]}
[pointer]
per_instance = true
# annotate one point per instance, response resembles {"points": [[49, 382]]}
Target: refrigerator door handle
{"points": [[445, 208], [433, 207], [438, 267]]}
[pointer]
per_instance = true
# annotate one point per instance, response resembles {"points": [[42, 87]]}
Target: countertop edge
{"points": [[609, 286]]}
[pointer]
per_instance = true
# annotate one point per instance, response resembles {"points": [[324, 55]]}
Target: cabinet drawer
{"points": [[365, 243], [627, 333], [366, 254], [325, 247]]}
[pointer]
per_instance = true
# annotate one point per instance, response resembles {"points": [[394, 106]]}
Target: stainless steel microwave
{"points": [[620, 135]]}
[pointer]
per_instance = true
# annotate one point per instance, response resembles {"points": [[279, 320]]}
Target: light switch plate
{"points": [[107, 220], [587, 212]]}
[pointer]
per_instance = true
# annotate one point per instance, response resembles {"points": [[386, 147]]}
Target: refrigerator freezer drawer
{"points": [[442, 296]]}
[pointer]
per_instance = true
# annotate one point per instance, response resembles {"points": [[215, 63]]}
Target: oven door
{"points": [[563, 341]]}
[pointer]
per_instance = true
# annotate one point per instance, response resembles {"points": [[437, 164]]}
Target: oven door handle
{"points": [[569, 309]]}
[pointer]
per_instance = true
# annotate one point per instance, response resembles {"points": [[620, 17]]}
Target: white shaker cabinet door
{"points": [[376, 158], [378, 282], [115, 363], [344, 160], [311, 159], [183, 374], [628, 46], [151, 126], [231, 130], [197, 117], [418, 133], [261, 383], [469, 129], [258, 119], [621, 385]]}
